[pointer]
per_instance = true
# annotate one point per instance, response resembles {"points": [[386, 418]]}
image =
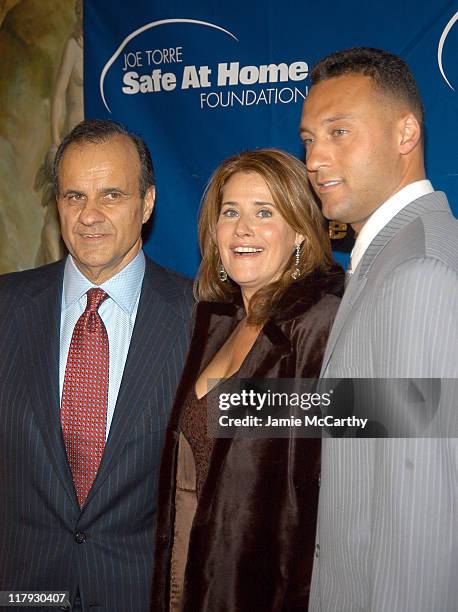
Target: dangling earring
{"points": [[222, 273], [297, 272]]}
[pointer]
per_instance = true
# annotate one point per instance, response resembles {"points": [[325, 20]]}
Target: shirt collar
{"points": [[383, 215], [123, 288]]}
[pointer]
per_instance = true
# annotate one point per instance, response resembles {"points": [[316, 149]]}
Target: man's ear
{"points": [[148, 203], [409, 133]]}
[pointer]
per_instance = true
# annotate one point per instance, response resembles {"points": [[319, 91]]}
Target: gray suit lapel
{"points": [[432, 202], [428, 203], [352, 292]]}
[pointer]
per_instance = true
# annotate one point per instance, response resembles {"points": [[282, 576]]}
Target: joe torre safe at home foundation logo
{"points": [[447, 52], [153, 60]]}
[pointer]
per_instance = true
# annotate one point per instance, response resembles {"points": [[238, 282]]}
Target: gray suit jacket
{"points": [[46, 541], [388, 510]]}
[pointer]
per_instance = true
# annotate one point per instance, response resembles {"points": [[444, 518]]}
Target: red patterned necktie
{"points": [[85, 395]]}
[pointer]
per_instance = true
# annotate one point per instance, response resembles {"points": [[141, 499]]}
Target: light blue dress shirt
{"points": [[118, 312]]}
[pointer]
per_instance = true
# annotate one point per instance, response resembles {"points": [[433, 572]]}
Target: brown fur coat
{"points": [[252, 539]]}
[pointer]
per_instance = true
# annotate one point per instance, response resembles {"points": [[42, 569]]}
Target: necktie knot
{"points": [[95, 297]]}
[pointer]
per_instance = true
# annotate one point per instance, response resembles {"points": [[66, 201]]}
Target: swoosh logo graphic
{"points": [[444, 35], [148, 26]]}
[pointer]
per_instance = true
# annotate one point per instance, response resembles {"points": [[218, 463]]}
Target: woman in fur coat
{"points": [[237, 516]]}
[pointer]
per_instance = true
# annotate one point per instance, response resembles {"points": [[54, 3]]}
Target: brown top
{"points": [[194, 428]]}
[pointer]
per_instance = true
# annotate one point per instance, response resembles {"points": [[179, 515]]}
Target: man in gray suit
{"points": [[388, 510], [91, 352]]}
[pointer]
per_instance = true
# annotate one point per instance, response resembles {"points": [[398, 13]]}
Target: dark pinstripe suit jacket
{"points": [[46, 541]]}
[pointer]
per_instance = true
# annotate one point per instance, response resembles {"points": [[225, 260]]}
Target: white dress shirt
{"points": [[383, 215], [118, 312]]}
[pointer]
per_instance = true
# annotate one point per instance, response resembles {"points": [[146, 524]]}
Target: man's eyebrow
{"points": [[338, 118], [111, 189], [327, 121], [68, 192]]}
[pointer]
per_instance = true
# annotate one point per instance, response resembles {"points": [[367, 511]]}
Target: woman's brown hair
{"points": [[287, 180]]}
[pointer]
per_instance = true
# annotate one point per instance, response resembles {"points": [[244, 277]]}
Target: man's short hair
{"points": [[98, 131], [390, 73]]}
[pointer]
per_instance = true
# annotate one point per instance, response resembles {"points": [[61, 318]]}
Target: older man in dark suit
{"points": [[92, 349]]}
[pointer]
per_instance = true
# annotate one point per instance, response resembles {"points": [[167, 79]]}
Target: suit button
{"points": [[319, 480], [317, 551], [80, 537]]}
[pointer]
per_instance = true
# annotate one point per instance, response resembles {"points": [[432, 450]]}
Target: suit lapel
{"points": [[352, 292], [155, 330], [39, 328], [435, 201]]}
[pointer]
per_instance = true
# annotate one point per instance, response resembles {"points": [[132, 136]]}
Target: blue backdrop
{"points": [[200, 82]]}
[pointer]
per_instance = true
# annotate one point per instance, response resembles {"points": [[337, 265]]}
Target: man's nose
{"points": [[318, 155], [91, 213]]}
